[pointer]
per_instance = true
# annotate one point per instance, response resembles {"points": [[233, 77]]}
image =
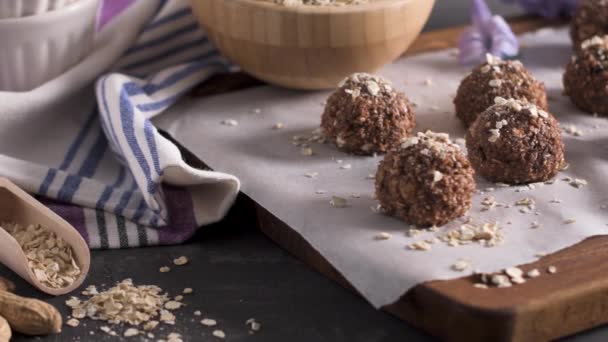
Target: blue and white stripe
{"points": [[115, 159]]}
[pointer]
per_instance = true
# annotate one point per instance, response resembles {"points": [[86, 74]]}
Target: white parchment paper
{"points": [[272, 172]]}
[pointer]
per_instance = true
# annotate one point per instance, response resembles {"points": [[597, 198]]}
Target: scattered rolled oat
{"points": [[150, 325], [173, 305], [383, 236], [230, 122], [552, 269], [578, 183], [569, 221], [488, 235], [90, 291], [528, 205], [480, 286], [208, 322], [419, 246], [167, 317], [164, 269], [572, 130], [219, 334], [50, 257], [107, 330], [413, 232], [461, 265], [311, 174], [501, 280], [73, 322], [197, 313], [338, 202], [514, 272], [254, 326], [533, 273], [346, 167], [123, 303], [376, 209], [278, 125], [187, 290], [174, 337], [306, 151], [181, 261], [131, 332], [490, 203]]}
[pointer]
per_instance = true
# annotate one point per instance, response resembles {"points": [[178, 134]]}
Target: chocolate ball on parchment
{"points": [[586, 76], [590, 19], [515, 142], [426, 182], [365, 115], [495, 77]]}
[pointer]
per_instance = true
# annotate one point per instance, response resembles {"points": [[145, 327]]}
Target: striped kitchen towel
{"points": [[85, 144]]}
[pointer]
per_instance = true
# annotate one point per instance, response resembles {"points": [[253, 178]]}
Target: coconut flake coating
{"points": [[590, 19], [365, 116], [426, 182], [586, 76], [515, 142], [495, 77]]}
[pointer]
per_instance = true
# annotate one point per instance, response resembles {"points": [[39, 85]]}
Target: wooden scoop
{"points": [[18, 206]]}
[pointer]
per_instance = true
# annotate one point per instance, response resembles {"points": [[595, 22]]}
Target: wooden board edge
{"points": [[454, 310]]}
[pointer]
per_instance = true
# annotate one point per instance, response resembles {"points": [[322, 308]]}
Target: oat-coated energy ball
{"points": [[365, 115], [426, 182], [586, 76], [495, 77], [515, 142], [590, 19]]}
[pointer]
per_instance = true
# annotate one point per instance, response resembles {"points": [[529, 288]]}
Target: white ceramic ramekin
{"points": [[24, 8], [37, 48]]}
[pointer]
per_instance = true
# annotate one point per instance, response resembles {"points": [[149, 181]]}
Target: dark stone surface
{"points": [[237, 274]]}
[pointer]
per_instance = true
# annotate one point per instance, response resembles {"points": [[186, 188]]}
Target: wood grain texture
{"points": [[311, 47], [551, 306], [548, 307]]}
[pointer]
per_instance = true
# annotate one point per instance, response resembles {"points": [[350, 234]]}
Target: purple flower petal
{"points": [[488, 34], [471, 46], [480, 13], [504, 42]]}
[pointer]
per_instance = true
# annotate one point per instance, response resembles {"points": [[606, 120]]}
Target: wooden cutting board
{"points": [[572, 300]]}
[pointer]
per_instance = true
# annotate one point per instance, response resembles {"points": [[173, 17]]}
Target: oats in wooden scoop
{"points": [[50, 257]]}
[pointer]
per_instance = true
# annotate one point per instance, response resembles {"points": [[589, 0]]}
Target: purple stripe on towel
{"points": [[111, 8], [71, 213], [182, 223]]}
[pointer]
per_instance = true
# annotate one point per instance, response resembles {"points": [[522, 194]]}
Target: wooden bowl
{"points": [[311, 47]]}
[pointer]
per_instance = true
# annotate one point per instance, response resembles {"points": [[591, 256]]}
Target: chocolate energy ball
{"points": [[515, 142], [590, 19], [365, 115], [495, 77], [586, 76], [426, 182]]}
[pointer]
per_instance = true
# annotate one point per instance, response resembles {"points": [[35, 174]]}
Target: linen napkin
{"points": [[85, 144]]}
